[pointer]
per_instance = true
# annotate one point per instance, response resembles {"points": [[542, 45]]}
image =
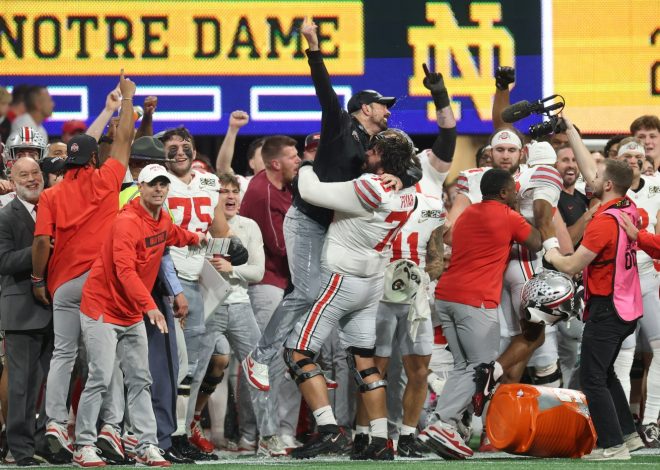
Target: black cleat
{"points": [[323, 443], [360, 444], [187, 450], [409, 447], [380, 448], [173, 456], [485, 384]]}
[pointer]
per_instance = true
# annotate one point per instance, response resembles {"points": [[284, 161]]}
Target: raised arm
{"points": [[504, 76], [330, 107], [147, 122], [337, 196], [237, 119], [112, 104], [121, 147], [442, 151], [585, 161]]}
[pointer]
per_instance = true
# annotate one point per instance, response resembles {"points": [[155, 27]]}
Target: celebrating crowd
{"points": [[344, 284]]}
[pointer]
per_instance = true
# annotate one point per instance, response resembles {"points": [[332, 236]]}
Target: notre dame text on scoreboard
{"points": [[177, 38]]}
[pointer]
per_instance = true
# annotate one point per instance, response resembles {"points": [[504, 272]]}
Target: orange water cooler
{"points": [[540, 421]]}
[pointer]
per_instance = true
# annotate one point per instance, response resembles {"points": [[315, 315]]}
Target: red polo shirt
{"points": [[482, 240], [78, 213]]}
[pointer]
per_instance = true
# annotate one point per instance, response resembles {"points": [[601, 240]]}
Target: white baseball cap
{"points": [[506, 137], [153, 171], [541, 153]]}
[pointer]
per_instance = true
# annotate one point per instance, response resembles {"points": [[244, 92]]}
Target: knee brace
{"points": [[296, 367], [549, 375], [360, 375], [209, 383]]}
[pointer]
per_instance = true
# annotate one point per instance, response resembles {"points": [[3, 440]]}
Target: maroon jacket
{"points": [[267, 206]]}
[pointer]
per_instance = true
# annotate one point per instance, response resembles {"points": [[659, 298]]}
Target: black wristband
{"points": [[445, 144], [441, 99], [105, 139]]}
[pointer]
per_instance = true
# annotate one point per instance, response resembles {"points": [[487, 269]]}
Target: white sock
{"points": [[378, 427], [361, 429], [622, 367], [407, 430], [324, 416], [652, 406], [497, 371]]}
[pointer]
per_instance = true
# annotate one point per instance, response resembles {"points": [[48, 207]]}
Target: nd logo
{"points": [[471, 48]]}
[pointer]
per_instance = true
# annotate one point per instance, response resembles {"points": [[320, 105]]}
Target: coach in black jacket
{"points": [[27, 323]]}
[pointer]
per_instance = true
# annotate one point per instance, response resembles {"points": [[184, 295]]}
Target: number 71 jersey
{"points": [[362, 245], [192, 206]]}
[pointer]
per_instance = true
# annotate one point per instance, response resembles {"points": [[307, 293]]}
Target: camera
{"points": [[553, 125], [522, 109]]}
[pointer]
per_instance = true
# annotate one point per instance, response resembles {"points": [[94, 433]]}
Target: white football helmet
{"points": [[402, 279], [549, 297], [25, 137]]}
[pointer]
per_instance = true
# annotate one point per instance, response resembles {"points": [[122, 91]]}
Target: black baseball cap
{"points": [[368, 97], [80, 149], [52, 164]]}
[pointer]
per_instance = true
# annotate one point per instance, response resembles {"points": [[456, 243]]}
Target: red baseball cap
{"points": [[73, 127]]}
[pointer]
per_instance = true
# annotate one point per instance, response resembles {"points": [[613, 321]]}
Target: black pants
{"points": [[28, 360], [603, 334]]}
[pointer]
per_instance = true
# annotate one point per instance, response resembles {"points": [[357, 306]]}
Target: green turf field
{"points": [[644, 459]]}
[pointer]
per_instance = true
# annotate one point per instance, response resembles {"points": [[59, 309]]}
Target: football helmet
{"points": [[549, 297], [25, 137]]}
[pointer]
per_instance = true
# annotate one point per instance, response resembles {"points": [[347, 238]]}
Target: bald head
{"points": [[27, 179]]}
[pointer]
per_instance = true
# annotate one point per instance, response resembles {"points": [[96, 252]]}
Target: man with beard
{"points": [[267, 200], [573, 204], [368, 217], [192, 200], [27, 324], [645, 192], [609, 258]]}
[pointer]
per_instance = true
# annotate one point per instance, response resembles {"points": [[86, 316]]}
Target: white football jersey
{"points": [[533, 181], [6, 199], [647, 200], [192, 206], [469, 183], [362, 245], [429, 214], [411, 242]]}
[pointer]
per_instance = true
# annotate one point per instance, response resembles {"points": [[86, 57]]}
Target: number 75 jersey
{"points": [[192, 206], [361, 245]]}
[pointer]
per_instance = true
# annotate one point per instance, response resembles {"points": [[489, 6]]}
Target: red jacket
{"points": [[122, 277], [649, 243]]}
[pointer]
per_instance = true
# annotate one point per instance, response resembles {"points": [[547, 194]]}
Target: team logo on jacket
{"points": [[154, 240]]}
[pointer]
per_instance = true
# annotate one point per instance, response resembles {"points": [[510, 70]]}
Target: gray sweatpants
{"points": [[106, 343], [304, 240], [473, 337], [66, 326], [194, 326], [283, 397], [237, 324]]}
